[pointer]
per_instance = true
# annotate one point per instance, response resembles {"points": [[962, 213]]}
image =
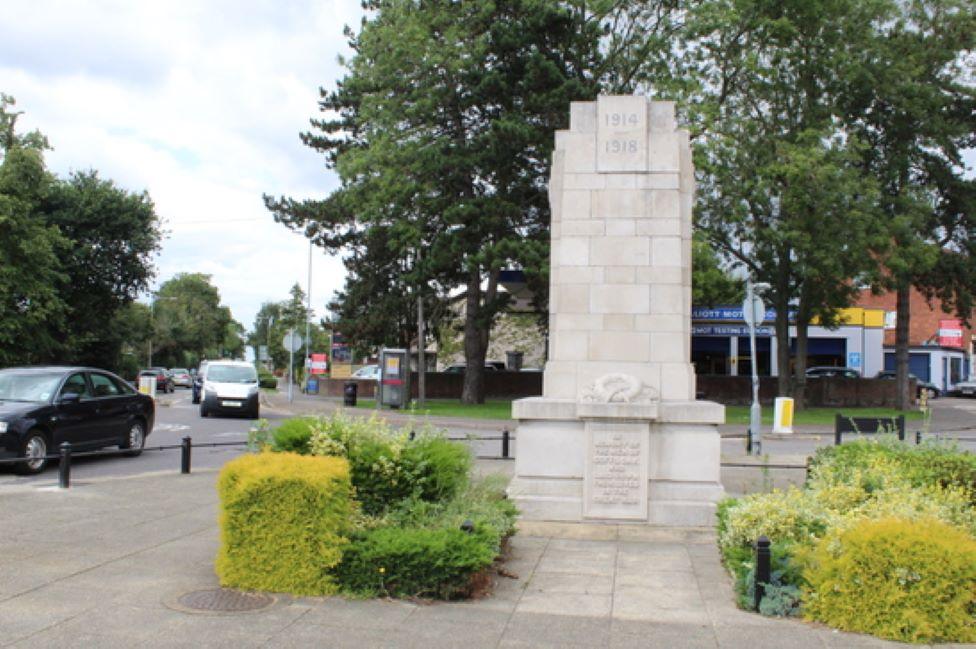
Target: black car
{"points": [[927, 388], [41, 407]]}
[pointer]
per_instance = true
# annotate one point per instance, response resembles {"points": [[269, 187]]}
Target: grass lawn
{"points": [[501, 409], [815, 416]]}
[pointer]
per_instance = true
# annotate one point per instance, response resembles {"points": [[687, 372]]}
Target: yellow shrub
{"points": [[283, 521], [904, 580], [791, 515]]}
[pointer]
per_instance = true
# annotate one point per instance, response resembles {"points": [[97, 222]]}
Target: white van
{"points": [[230, 387]]}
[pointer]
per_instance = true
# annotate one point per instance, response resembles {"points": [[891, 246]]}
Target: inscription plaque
{"points": [[615, 475], [621, 134]]}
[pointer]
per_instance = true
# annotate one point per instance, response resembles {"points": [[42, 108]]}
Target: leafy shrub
{"points": [[904, 580], [386, 466], [268, 381], [284, 519], [413, 562], [782, 595], [791, 515], [294, 435]]}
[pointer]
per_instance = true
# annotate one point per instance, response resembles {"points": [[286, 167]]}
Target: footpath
{"points": [[128, 562]]}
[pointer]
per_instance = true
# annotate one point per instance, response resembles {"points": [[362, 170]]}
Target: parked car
{"points": [[829, 370], [966, 388], [367, 372], [197, 388], [41, 407], [459, 368], [931, 390], [181, 377], [164, 382], [230, 387]]}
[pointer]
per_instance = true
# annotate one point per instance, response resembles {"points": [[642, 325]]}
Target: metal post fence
{"points": [[763, 560], [186, 448], [64, 466]]}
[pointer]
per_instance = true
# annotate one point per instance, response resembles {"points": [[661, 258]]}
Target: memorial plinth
{"points": [[617, 435]]}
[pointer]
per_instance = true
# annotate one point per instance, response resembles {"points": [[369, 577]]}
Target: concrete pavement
{"points": [[105, 563]]}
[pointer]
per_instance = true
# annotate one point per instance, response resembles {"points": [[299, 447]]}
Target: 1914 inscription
{"points": [[621, 134], [615, 484]]}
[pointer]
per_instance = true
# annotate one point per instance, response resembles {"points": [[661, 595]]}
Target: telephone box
{"points": [[394, 378]]}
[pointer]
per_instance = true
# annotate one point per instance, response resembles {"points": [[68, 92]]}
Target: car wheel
{"points": [[135, 439], [256, 413], [34, 450], [932, 393]]}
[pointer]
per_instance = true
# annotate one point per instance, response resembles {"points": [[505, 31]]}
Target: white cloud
{"points": [[201, 104]]}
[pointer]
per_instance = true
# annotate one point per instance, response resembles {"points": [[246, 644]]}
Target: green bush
{"points": [[293, 435], [386, 466], [413, 562], [284, 521], [913, 581]]}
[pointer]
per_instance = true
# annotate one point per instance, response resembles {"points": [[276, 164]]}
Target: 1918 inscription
{"points": [[621, 134]]}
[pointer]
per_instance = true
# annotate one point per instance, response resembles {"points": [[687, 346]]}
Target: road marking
{"points": [[173, 427], [232, 434]]}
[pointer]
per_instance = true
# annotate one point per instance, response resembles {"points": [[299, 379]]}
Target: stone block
{"points": [[618, 346], [660, 275], [659, 180], [616, 469], [580, 153], [573, 298], [580, 275], [584, 181], [572, 251], [648, 373], [669, 323], [677, 381], [559, 385], [620, 251], [587, 228], [621, 227], [667, 299], [667, 251], [698, 412], [620, 274], [658, 227], [550, 448], [620, 298], [578, 322], [620, 204], [582, 116], [661, 116], [575, 204], [664, 153], [570, 345], [545, 409], [621, 134], [668, 347], [622, 181], [664, 204], [685, 452]]}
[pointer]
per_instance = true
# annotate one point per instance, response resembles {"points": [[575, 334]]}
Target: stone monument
{"points": [[618, 435]]}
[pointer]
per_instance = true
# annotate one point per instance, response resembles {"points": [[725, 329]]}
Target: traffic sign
{"points": [[755, 314], [292, 341]]}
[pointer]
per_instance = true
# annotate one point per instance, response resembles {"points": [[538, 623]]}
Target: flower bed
{"points": [[418, 526], [870, 537]]}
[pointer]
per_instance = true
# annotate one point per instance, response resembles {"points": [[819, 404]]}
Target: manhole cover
{"points": [[225, 601]]}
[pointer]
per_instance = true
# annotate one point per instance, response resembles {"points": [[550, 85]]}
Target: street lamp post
{"points": [[753, 312]]}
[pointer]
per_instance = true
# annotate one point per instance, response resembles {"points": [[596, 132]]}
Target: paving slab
{"points": [[104, 571]]}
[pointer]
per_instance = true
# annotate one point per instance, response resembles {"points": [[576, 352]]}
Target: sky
{"points": [[200, 104]]}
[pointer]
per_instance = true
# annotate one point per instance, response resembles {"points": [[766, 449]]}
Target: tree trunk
{"points": [[903, 308], [800, 365], [784, 384], [473, 390]]}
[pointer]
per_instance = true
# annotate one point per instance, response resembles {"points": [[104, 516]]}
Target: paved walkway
{"points": [[104, 563]]}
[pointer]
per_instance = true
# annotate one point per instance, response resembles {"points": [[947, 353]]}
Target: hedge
{"points": [[284, 522]]}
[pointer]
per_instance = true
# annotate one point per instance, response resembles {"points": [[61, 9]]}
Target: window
{"points": [[76, 384], [103, 386]]}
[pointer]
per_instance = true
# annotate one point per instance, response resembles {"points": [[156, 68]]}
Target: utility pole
{"points": [[421, 353]]}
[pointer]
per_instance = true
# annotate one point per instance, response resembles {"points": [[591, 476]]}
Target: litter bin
{"points": [[311, 386], [349, 392], [513, 361]]}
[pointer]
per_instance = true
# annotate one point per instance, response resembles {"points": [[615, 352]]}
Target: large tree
{"points": [[189, 322], [114, 235], [782, 191], [914, 103], [442, 133]]}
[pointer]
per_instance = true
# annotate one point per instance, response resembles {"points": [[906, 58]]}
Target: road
{"points": [[176, 417]]}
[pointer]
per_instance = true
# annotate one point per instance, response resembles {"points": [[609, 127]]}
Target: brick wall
{"points": [[443, 385], [923, 326], [828, 392]]}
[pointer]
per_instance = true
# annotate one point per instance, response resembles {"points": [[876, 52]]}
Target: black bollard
{"points": [[763, 560], [506, 437], [64, 466], [918, 437], [412, 436], [185, 451]]}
